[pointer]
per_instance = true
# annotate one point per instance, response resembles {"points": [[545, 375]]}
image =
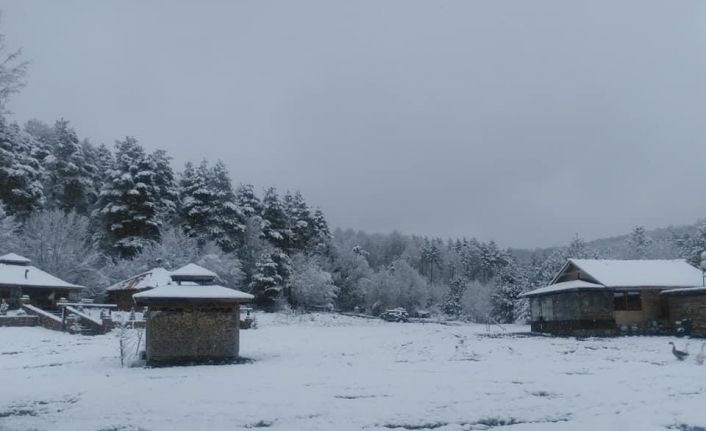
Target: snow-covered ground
{"points": [[327, 372]]}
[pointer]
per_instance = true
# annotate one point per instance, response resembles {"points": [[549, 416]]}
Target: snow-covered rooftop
{"points": [[13, 258], [207, 292], [563, 287], [155, 277], [30, 276], [640, 273], [193, 270]]}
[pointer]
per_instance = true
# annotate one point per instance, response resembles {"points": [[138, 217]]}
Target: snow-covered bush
{"points": [[311, 286], [59, 243], [399, 285], [225, 265], [173, 250], [476, 301], [351, 274]]}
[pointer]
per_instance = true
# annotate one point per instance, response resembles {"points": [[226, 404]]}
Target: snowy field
{"points": [[326, 372]]}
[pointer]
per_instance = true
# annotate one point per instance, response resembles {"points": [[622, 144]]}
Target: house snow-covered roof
{"points": [[193, 270], [204, 293], [616, 274], [13, 258], [564, 286], [155, 277], [16, 271], [640, 273]]}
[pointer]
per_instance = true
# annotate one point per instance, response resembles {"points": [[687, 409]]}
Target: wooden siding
{"points": [[652, 309], [691, 307], [572, 272], [123, 298], [192, 333]]}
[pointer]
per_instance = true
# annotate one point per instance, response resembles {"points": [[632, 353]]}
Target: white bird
{"points": [[680, 355], [700, 356]]}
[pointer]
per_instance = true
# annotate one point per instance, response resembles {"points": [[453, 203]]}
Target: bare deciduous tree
{"points": [[12, 72]]}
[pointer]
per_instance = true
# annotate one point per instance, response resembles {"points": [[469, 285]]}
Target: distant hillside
{"points": [[663, 245]]}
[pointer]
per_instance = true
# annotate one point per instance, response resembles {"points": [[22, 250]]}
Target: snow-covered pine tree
{"points": [[43, 135], [275, 224], [299, 220], [269, 279], [691, 245], [470, 255], [639, 242], [127, 206], [193, 198], [70, 183], [578, 249], [208, 206], [492, 260], [100, 161], [247, 200], [453, 301], [505, 298], [21, 189], [165, 184], [431, 257], [322, 235], [227, 222], [104, 160]]}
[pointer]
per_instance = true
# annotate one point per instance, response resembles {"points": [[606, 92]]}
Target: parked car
{"points": [[395, 315]]}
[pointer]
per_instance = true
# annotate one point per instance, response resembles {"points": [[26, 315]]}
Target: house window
{"points": [[627, 301]]}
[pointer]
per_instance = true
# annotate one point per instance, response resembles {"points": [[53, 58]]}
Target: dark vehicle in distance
{"points": [[395, 315]]}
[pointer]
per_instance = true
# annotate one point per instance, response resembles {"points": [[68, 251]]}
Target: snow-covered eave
{"points": [[647, 287], [685, 291], [192, 294], [566, 286], [181, 301], [127, 289], [36, 286]]}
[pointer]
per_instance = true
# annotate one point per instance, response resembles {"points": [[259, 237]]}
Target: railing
{"points": [[61, 323], [85, 318], [47, 320], [101, 326]]}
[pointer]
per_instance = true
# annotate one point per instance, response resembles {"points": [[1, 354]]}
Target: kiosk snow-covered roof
{"points": [[16, 270]]}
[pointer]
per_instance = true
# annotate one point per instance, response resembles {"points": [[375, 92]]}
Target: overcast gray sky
{"points": [[514, 120]]}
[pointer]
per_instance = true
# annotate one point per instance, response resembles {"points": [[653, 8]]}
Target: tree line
{"points": [[94, 215]]}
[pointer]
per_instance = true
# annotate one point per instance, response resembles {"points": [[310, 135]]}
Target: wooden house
{"points": [[602, 297], [19, 278], [121, 293], [192, 321]]}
